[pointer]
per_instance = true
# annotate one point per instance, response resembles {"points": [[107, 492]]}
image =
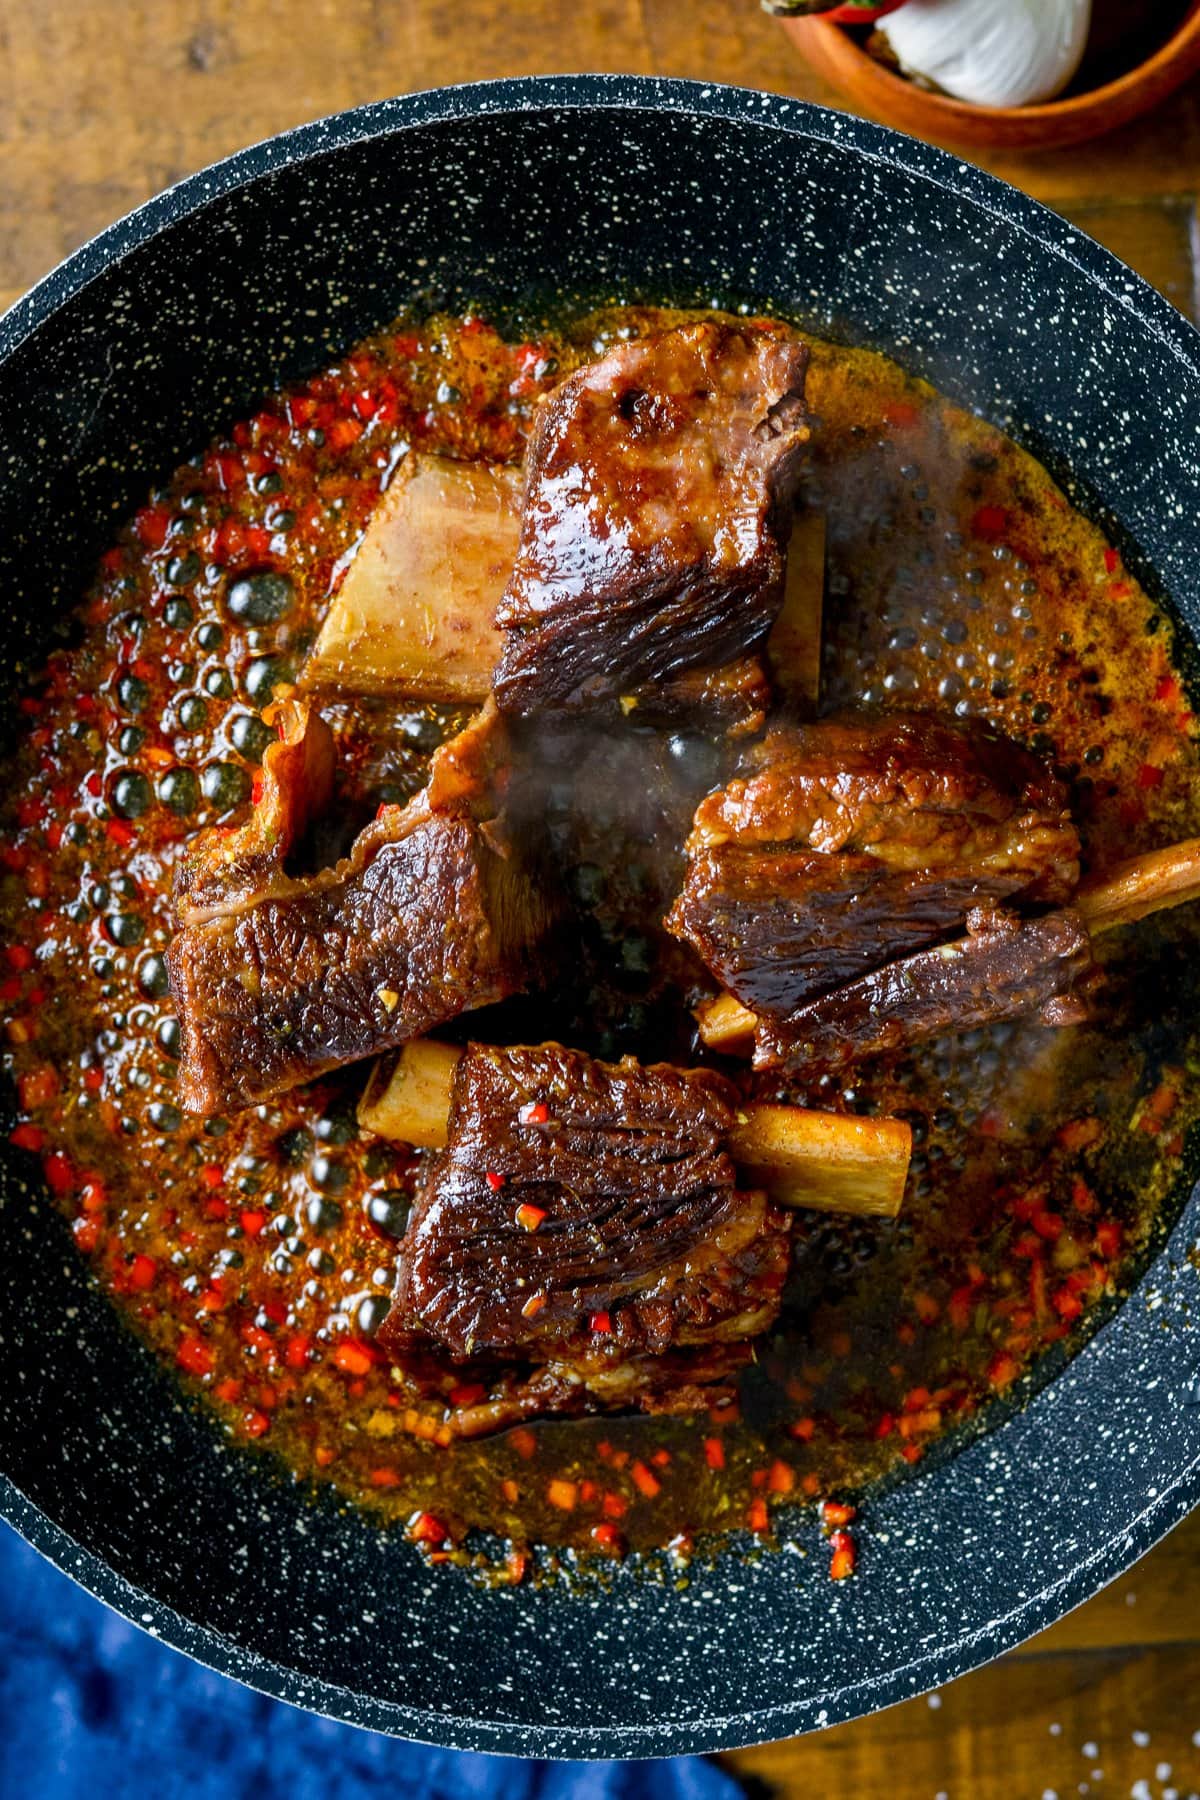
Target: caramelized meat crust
{"points": [[658, 480], [915, 791], [1000, 969], [279, 978], [585, 1213], [849, 843]]}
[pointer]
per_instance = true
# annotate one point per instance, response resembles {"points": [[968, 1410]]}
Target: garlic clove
{"points": [[991, 52]]}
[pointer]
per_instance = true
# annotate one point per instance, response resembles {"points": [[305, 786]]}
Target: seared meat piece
{"points": [[1003, 967], [586, 1213], [915, 791], [279, 977], [853, 841], [678, 1382], [658, 483], [733, 699], [777, 927]]}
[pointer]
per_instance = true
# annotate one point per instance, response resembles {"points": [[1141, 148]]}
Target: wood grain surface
{"points": [[102, 103]]}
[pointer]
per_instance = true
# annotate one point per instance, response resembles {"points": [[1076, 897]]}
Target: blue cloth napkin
{"points": [[91, 1705]]}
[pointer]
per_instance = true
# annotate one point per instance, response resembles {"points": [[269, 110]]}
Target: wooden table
{"points": [[105, 101]]}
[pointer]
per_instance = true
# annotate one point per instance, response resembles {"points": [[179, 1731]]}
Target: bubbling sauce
{"points": [[255, 1252]]}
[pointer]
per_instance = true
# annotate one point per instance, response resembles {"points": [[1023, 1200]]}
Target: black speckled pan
{"points": [[134, 352]]}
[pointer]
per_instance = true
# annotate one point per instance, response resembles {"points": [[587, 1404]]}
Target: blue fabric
{"points": [[91, 1705]]}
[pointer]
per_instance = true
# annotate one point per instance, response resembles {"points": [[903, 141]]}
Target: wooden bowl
{"points": [[841, 58]]}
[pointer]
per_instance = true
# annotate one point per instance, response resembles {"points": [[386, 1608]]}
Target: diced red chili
{"points": [[353, 1359], [837, 1512], [845, 1556], [59, 1171], [424, 1528], [142, 1273], [644, 1480], [194, 1356], [780, 1478]]}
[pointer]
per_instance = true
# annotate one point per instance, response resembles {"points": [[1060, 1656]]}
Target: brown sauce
{"points": [[255, 1252]]}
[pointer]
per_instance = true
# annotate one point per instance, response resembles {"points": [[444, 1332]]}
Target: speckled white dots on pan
{"points": [[133, 353]]}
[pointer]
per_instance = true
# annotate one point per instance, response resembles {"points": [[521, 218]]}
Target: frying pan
{"points": [[164, 329]]}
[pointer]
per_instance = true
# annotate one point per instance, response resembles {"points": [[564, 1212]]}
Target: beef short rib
{"points": [[849, 843], [585, 1214], [279, 978], [1002, 968], [658, 481]]}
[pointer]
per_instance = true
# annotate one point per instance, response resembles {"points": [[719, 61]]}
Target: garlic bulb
{"points": [[992, 52]]}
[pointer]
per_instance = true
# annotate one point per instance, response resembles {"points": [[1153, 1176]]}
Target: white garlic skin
{"points": [[991, 52]]}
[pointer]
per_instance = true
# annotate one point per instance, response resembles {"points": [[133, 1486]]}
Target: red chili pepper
{"points": [[1108, 1239], [93, 1197], [151, 525], [537, 1113], [87, 1234], [59, 1171], [1067, 1305], [844, 1558], [837, 1512], [494, 1180], [714, 1453], [516, 1563], [644, 1480], [424, 1528], [600, 1322], [608, 1538], [194, 1356], [353, 1359], [38, 1087], [780, 1478], [142, 1273]]}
